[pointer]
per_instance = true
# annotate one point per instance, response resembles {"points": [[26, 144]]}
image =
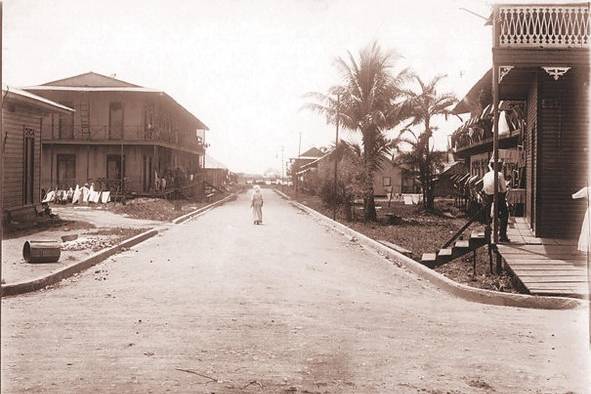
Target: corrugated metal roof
{"points": [[22, 94], [119, 87], [91, 79], [210, 162], [95, 89]]}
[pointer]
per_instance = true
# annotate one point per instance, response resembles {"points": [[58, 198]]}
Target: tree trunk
{"points": [[429, 195], [428, 201], [369, 204]]}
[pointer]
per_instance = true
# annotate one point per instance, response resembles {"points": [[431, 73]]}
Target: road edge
{"points": [[468, 293], [12, 289], [190, 215]]}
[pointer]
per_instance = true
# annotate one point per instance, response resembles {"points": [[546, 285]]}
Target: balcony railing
{"points": [[543, 26], [126, 134], [479, 129]]}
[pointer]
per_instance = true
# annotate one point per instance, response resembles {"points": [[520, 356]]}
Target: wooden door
{"points": [[28, 169]]}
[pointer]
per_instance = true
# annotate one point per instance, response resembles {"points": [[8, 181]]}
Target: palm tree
{"points": [[423, 106], [368, 102]]}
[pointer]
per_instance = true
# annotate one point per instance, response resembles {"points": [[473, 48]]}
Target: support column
{"points": [[495, 98]]}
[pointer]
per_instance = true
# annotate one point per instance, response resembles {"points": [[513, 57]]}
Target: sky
{"points": [[242, 67]]}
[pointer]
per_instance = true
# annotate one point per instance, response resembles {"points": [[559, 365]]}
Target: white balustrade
{"points": [[544, 26]]}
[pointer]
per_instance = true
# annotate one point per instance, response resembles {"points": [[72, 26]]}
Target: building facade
{"points": [[389, 179], [23, 117], [541, 77], [120, 137]]}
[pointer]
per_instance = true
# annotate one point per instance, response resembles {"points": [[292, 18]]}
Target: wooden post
{"points": [[495, 94]]}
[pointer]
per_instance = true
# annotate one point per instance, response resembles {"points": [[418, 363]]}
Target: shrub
{"points": [[342, 199]]}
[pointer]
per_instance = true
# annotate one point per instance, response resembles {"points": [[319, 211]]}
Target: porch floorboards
{"points": [[545, 266]]}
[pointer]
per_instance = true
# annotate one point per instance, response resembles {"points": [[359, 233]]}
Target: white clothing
{"points": [[583, 244], [105, 196], [85, 194], [49, 197], [256, 202], [488, 185], [76, 197]]}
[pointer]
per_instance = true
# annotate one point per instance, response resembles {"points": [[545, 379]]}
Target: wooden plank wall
{"points": [[14, 119], [531, 125], [563, 133]]}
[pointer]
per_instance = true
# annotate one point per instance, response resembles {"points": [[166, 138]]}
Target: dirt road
{"points": [[220, 305]]}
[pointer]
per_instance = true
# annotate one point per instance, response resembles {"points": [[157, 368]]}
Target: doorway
{"points": [[29, 166]]}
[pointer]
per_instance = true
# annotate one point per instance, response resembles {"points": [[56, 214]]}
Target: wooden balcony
{"points": [[542, 26], [127, 135]]}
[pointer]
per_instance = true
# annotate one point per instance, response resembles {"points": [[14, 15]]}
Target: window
{"points": [[66, 171], [115, 120], [66, 123], [386, 181], [409, 184]]}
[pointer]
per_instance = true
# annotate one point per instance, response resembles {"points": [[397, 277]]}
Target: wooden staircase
{"points": [[459, 248]]}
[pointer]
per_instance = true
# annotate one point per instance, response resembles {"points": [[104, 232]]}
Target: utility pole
{"points": [[294, 171], [336, 159], [282, 173]]}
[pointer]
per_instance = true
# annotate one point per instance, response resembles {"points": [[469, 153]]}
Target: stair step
{"points": [[447, 252], [444, 255], [463, 244], [429, 259], [477, 239], [477, 235]]}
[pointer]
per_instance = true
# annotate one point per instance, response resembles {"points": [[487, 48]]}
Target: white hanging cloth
{"points": [[77, 194], [583, 244]]}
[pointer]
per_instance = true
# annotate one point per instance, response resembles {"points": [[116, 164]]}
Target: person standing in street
{"points": [[256, 203], [489, 189]]}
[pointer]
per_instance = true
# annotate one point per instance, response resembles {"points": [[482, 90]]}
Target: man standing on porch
{"points": [[489, 190]]}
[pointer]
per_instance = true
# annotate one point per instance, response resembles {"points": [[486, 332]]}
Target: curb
{"points": [[465, 292], [190, 215], [54, 277], [12, 289]]}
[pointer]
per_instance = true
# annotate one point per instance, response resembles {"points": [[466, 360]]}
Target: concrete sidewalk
{"points": [[100, 233], [95, 229]]}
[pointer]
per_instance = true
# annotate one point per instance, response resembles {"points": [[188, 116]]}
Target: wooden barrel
{"points": [[41, 251]]}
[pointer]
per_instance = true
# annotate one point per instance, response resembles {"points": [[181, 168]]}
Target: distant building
{"points": [[215, 173], [23, 115], [389, 179], [120, 131], [296, 163]]}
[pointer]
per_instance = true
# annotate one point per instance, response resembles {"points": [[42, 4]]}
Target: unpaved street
{"points": [[220, 305]]}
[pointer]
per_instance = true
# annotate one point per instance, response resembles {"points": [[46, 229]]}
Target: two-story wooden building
{"points": [[121, 134], [23, 115], [541, 77]]}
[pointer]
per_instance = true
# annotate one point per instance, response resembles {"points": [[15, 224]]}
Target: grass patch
{"points": [[423, 232]]}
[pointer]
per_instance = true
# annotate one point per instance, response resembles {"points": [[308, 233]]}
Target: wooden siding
{"points": [[530, 147], [14, 119], [563, 134], [540, 57]]}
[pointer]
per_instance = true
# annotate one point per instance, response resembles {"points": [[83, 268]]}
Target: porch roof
{"points": [[11, 93]]}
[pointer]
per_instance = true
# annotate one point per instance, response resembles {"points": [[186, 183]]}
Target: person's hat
{"points": [[492, 160]]}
